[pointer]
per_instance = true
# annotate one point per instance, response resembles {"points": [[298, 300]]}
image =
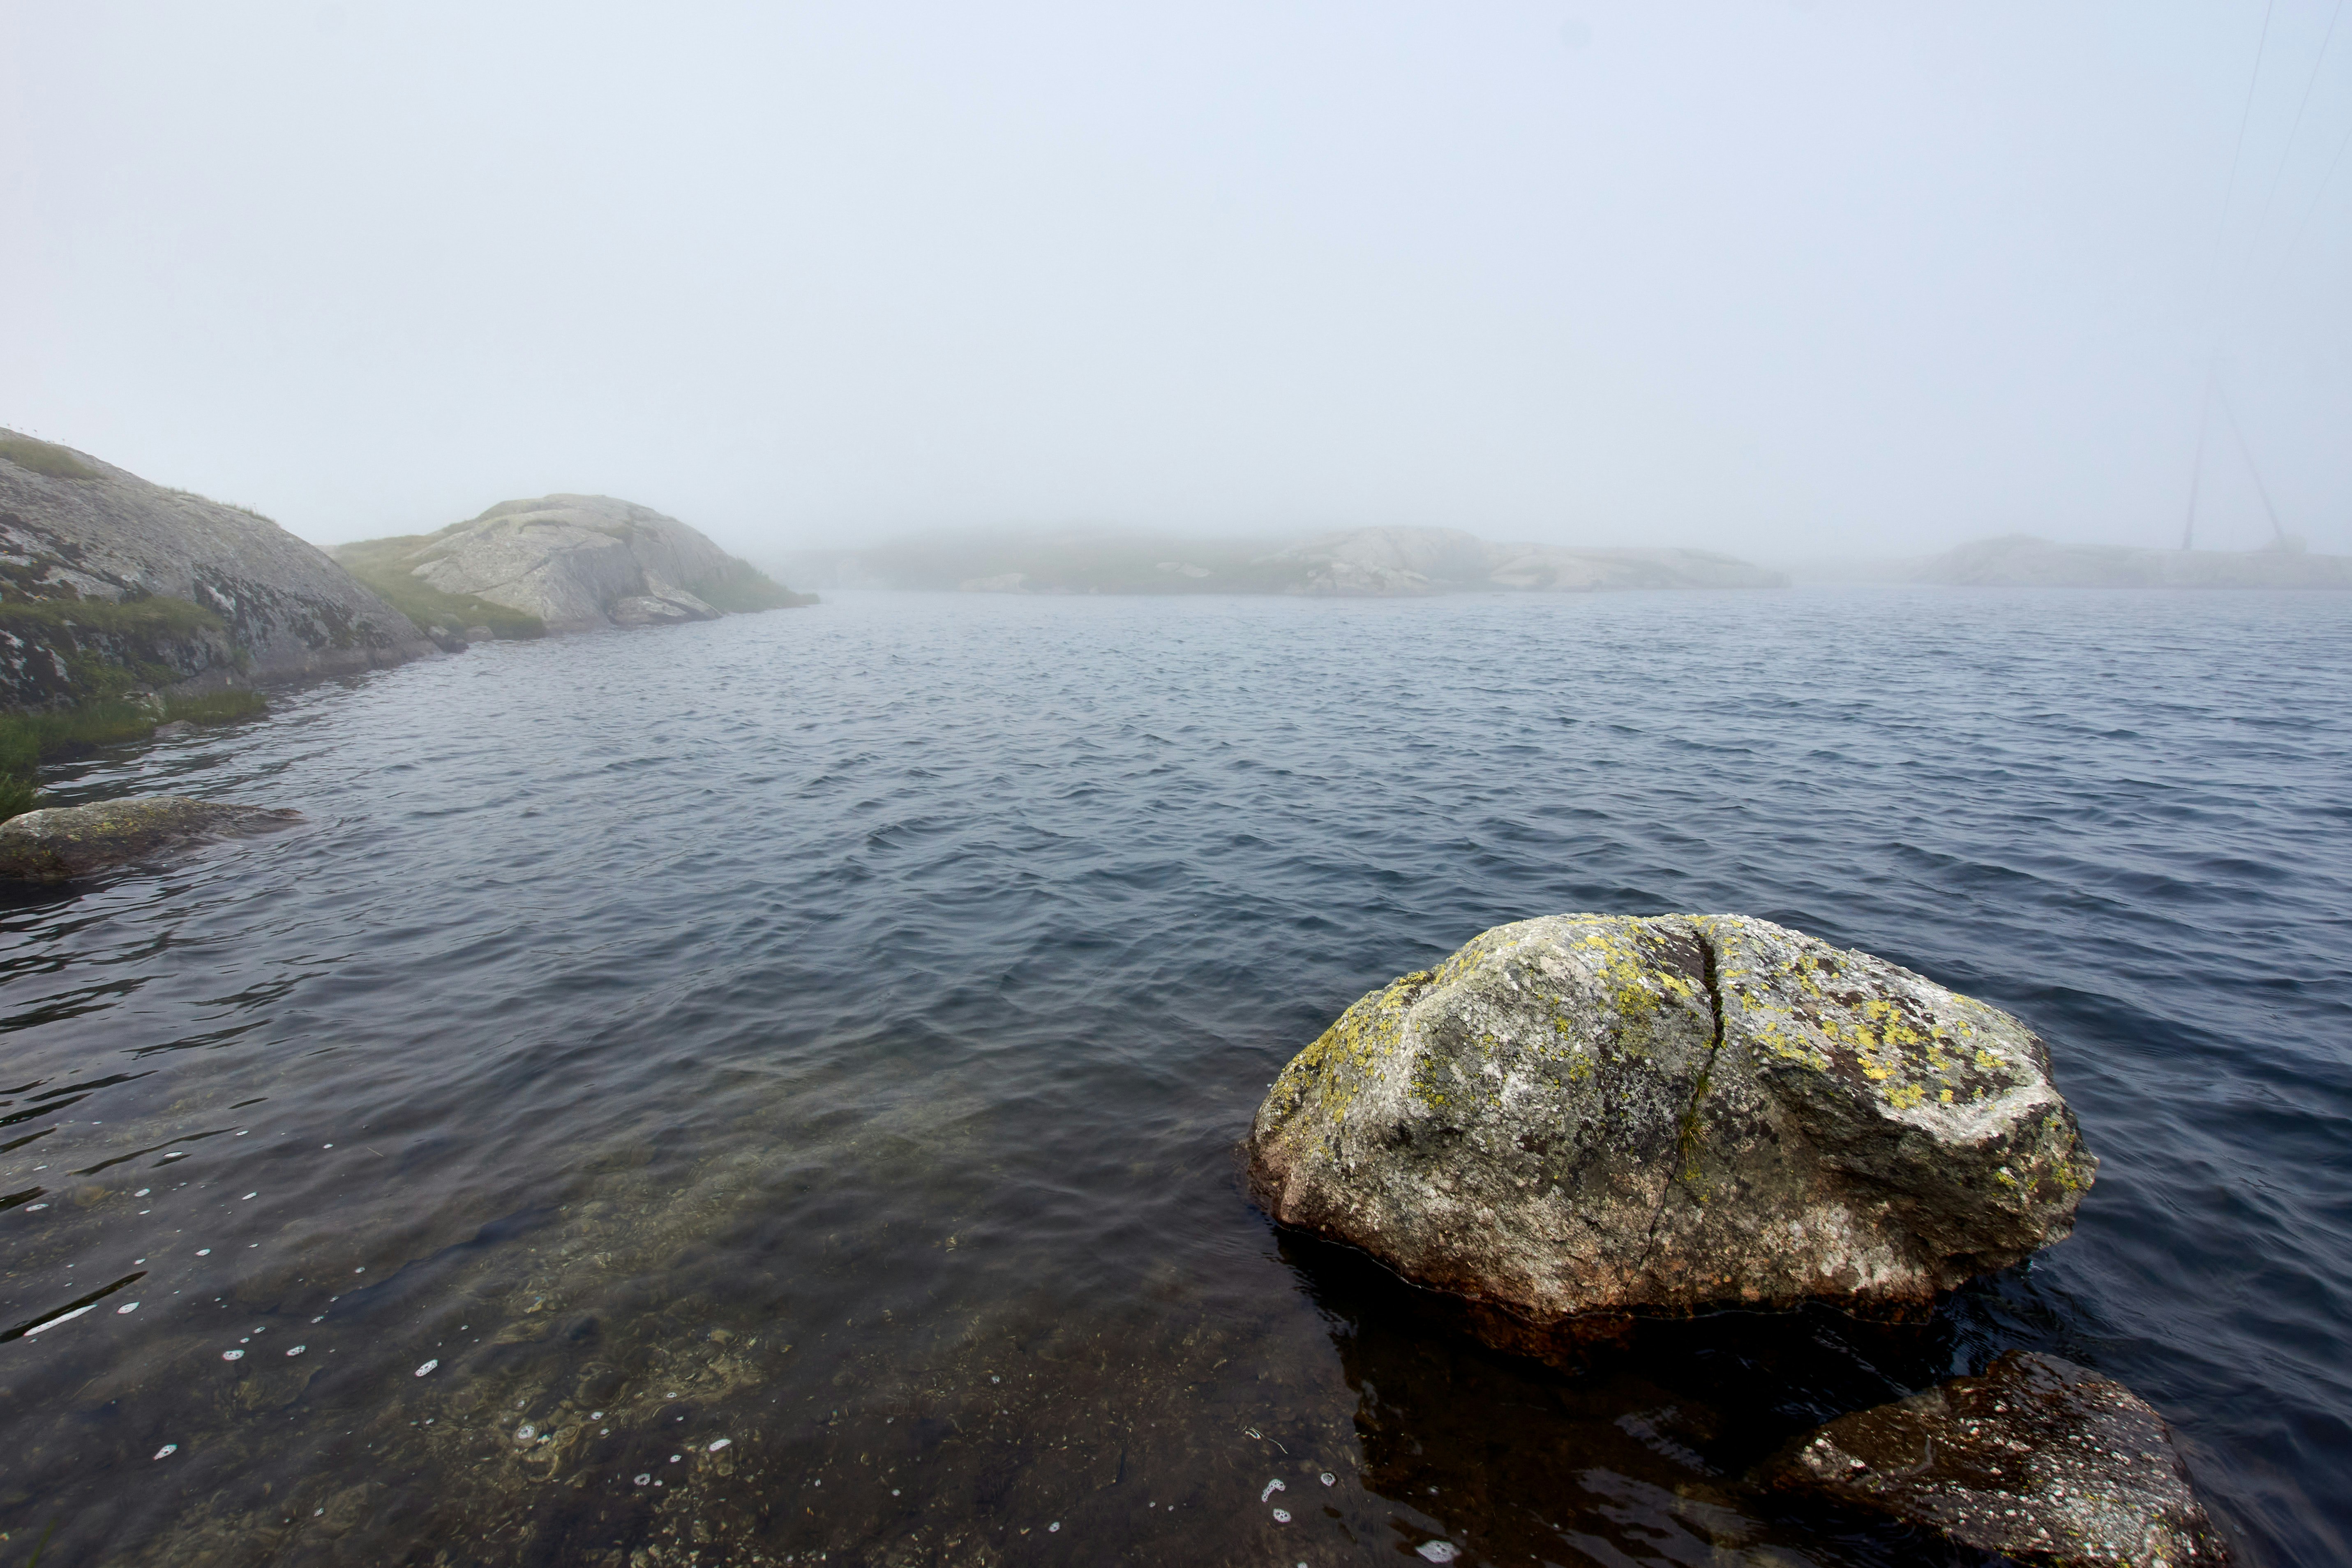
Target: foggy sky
{"points": [[1770, 277]]}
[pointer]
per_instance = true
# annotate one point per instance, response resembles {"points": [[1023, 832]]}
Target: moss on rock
{"points": [[57, 844]]}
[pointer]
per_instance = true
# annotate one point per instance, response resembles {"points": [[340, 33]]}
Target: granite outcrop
{"points": [[110, 583], [567, 564]]}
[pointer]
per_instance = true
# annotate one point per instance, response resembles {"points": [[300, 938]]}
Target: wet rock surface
{"points": [[57, 844], [2037, 1460], [1596, 1114]]}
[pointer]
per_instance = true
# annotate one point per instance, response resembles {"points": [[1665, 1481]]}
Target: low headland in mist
{"points": [[1363, 562], [2026, 560]]}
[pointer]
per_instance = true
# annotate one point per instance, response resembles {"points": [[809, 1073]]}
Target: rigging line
{"points": [[2288, 151], [2237, 153], [2196, 474], [2317, 197], [2248, 452]]}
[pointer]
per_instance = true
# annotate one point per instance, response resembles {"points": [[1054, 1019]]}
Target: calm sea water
{"points": [[783, 1076]]}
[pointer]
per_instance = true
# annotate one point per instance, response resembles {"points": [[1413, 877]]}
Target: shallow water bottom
{"points": [[798, 1060]]}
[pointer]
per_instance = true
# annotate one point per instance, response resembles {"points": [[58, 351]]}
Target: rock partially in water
{"points": [[2037, 1460], [1599, 1114], [58, 843]]}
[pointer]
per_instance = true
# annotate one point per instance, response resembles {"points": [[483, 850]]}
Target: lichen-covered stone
{"points": [[1602, 1114], [2038, 1459], [61, 842]]}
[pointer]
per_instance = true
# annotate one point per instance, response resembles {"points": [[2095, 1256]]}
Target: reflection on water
{"points": [[781, 1077]]}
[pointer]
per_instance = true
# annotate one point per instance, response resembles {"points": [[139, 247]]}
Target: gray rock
{"points": [[173, 730], [666, 607], [578, 563], [58, 843], [2037, 1460], [1590, 1114], [82, 541]]}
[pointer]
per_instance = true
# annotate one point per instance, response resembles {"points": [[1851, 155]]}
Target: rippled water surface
{"points": [[783, 1076]]}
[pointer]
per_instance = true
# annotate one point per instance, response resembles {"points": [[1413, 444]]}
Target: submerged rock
{"points": [[1602, 1114], [2037, 1460], [61, 842]]}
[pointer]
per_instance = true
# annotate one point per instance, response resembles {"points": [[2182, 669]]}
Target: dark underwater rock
{"points": [[2038, 1459], [58, 843], [1593, 1114]]}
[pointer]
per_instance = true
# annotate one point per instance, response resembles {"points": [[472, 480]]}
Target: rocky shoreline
{"points": [[124, 603]]}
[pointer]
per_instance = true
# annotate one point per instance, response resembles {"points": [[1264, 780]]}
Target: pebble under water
{"points": [[767, 1092]]}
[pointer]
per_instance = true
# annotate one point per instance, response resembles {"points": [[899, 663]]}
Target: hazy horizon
{"points": [[1772, 278]]}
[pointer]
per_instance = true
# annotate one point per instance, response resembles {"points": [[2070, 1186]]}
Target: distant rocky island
{"points": [[1364, 562], [561, 563]]}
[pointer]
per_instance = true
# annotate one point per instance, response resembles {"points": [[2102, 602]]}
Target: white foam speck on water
{"points": [[1328, 1479], [1272, 1487], [526, 1432], [167, 1451], [1439, 1550], [1054, 1528], [126, 1307], [142, 1192], [298, 1350], [646, 1478], [428, 1366], [718, 1445], [1282, 1516], [595, 1415], [232, 1355], [673, 1458], [203, 1252], [248, 1197], [60, 1318]]}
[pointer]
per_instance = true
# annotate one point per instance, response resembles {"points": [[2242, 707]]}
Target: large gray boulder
{"points": [[2038, 1459], [578, 563], [58, 843], [1592, 1114], [169, 588]]}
